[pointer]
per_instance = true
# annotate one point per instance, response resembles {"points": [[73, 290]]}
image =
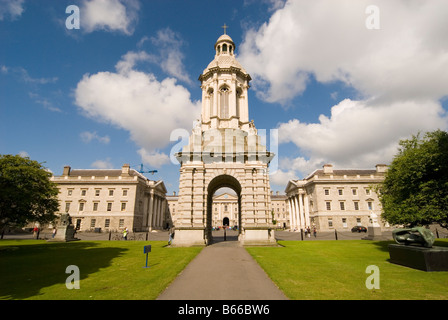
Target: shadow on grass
{"points": [[27, 268]]}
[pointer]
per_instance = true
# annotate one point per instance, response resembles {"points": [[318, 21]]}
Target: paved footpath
{"points": [[223, 271]]}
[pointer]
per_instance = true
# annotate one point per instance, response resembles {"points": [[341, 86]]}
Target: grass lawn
{"points": [[337, 270], [34, 269]]}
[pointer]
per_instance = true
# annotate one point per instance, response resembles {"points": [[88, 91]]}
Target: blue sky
{"points": [[112, 91]]}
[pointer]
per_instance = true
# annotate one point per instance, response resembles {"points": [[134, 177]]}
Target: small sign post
{"points": [[146, 249]]}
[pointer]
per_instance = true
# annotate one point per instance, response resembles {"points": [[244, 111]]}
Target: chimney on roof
{"points": [[66, 171], [125, 170], [381, 168], [328, 168]]}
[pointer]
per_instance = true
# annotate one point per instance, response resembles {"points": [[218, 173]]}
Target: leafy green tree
{"points": [[26, 192], [415, 189]]}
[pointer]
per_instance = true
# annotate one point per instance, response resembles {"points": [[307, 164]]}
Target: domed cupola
{"points": [[225, 46], [224, 86]]}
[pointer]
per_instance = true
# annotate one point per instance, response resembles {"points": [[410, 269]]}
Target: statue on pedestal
{"points": [[65, 230], [374, 229]]}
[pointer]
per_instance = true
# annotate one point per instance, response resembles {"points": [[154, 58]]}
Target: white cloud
{"points": [[109, 15], [359, 134], [406, 58], [170, 56], [102, 164], [46, 103], [399, 72], [139, 103], [281, 178], [24, 76], [88, 137], [154, 158], [24, 154], [11, 8]]}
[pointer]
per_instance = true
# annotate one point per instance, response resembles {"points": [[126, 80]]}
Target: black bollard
{"points": [[225, 234]]}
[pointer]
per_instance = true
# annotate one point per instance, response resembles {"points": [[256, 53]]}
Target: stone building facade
{"points": [[112, 199], [224, 150], [331, 199], [280, 210], [225, 209]]}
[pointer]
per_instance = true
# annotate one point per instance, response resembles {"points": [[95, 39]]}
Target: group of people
{"points": [[308, 232]]}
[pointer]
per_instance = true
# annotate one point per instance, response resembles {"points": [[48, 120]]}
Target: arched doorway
{"points": [[225, 222], [216, 183]]}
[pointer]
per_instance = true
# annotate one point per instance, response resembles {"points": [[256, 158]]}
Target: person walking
{"points": [[171, 236], [308, 232], [125, 233], [54, 232], [36, 233], [315, 232]]}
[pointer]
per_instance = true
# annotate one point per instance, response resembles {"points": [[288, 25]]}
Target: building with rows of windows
{"points": [[327, 199], [225, 209], [331, 199], [112, 199]]}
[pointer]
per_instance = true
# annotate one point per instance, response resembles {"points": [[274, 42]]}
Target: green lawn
{"points": [[337, 270], [31, 269]]}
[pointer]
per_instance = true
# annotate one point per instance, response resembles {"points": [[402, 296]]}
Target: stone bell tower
{"points": [[224, 150]]}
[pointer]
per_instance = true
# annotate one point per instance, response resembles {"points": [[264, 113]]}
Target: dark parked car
{"points": [[359, 229]]}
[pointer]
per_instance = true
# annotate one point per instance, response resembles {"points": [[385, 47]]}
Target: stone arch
{"points": [[217, 182]]}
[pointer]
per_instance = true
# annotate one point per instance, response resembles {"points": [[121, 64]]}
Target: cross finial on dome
{"points": [[225, 28]]}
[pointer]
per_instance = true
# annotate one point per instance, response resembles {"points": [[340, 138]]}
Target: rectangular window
{"points": [[111, 192], [340, 192], [370, 205], [95, 206], [97, 192], [330, 222], [83, 192], [121, 223], [107, 223], [342, 205], [69, 192], [125, 192], [354, 191], [328, 204], [368, 192], [327, 192], [123, 206], [67, 206], [81, 206], [356, 204], [358, 221], [109, 206], [92, 223], [344, 222]]}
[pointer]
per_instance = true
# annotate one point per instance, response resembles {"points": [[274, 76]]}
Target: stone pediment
{"points": [[225, 197], [160, 186], [292, 185]]}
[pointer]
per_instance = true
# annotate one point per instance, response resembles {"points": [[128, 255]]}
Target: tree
{"points": [[415, 189], [26, 192]]}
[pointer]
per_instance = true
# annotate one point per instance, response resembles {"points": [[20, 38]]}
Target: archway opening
{"points": [[223, 209]]}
